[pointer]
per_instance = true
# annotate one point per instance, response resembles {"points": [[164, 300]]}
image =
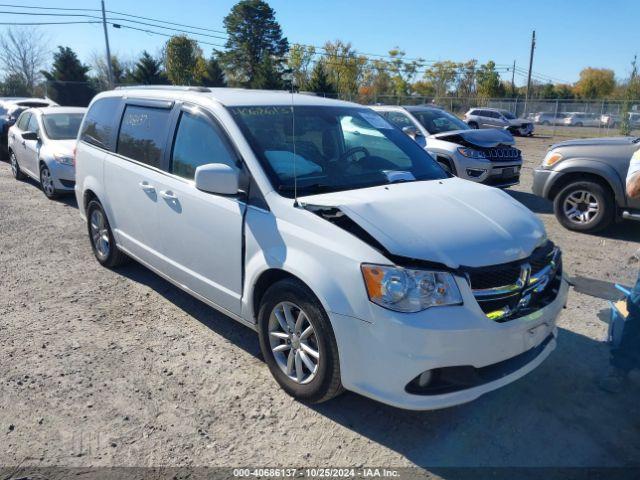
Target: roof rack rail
{"points": [[163, 87]]}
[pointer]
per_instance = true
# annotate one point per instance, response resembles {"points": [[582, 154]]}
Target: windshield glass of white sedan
{"points": [[332, 148]]}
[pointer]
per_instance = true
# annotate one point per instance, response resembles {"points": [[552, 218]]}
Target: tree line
{"points": [[257, 55]]}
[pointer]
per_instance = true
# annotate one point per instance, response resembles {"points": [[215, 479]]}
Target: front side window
{"points": [[33, 124], [143, 133], [438, 121], [23, 121], [197, 142], [331, 148], [98, 125], [62, 126]]}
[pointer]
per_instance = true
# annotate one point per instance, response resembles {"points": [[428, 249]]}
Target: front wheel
{"points": [[298, 343], [15, 168], [584, 206], [46, 182], [103, 243]]}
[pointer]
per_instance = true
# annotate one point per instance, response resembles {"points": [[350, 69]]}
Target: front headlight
{"points": [[63, 158], [551, 159], [471, 153], [406, 290]]}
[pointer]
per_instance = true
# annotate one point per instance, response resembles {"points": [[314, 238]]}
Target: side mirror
{"points": [[413, 132], [30, 136], [218, 178]]}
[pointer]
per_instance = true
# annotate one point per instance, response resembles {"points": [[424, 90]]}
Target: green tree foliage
{"points": [[632, 92], [467, 79], [298, 63], [14, 86], [319, 81], [214, 76], [488, 81], [442, 76], [402, 71], [120, 69], [183, 61], [148, 71], [344, 67], [254, 35], [595, 83], [68, 83], [267, 76]]}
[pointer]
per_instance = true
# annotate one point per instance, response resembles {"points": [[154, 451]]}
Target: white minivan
{"points": [[359, 261]]}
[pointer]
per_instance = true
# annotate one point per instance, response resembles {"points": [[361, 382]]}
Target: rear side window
{"points": [[197, 143], [143, 133], [97, 128]]}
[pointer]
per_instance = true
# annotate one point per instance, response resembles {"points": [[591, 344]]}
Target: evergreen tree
{"points": [[182, 60], [68, 83], [319, 82], [254, 35], [214, 76], [266, 76], [147, 71]]}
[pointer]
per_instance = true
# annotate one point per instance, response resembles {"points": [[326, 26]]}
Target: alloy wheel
{"points": [[46, 180], [100, 234], [293, 341], [581, 207]]}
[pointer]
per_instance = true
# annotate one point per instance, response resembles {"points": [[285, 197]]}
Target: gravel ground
{"points": [[119, 368]]}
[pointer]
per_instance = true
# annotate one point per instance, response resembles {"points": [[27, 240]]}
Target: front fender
{"points": [[594, 167]]}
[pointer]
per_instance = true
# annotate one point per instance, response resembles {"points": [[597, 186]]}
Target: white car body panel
{"points": [[197, 244]]}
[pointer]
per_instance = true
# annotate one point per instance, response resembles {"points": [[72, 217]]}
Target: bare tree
{"points": [[23, 53]]}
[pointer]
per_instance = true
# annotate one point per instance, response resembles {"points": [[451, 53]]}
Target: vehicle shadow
{"points": [[532, 202], [555, 416], [218, 322], [68, 199]]}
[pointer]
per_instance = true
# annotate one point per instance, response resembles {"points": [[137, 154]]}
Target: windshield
{"points": [[336, 148], [507, 114], [62, 126], [438, 121]]}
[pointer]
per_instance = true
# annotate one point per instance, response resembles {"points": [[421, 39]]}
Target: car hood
{"points": [[64, 147], [487, 138], [597, 142], [452, 222]]}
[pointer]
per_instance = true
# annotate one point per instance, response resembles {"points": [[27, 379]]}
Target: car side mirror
{"points": [[218, 178], [413, 132], [30, 136]]}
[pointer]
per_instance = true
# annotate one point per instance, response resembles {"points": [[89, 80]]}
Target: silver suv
{"points": [[484, 156], [585, 181], [498, 118]]}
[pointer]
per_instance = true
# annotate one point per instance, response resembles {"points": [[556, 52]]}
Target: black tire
{"points": [[606, 206], [447, 166], [473, 125], [114, 257], [46, 183], [326, 384], [15, 168]]}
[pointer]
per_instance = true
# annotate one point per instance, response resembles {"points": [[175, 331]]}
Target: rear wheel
{"points": [[15, 168], [103, 243], [46, 182], [584, 206], [298, 343]]}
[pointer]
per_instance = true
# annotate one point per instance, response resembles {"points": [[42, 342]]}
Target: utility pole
{"points": [[513, 84], [106, 41], [533, 47]]}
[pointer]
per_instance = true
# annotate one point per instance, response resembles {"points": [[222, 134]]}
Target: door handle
{"points": [[147, 187], [168, 195]]}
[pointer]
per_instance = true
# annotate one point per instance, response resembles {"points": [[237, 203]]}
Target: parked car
{"points": [[498, 118], [358, 261], [484, 156], [585, 179], [549, 118], [41, 146], [582, 120], [10, 110], [612, 120]]}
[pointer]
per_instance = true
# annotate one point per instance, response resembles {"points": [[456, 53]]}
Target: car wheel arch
{"points": [[576, 176]]}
